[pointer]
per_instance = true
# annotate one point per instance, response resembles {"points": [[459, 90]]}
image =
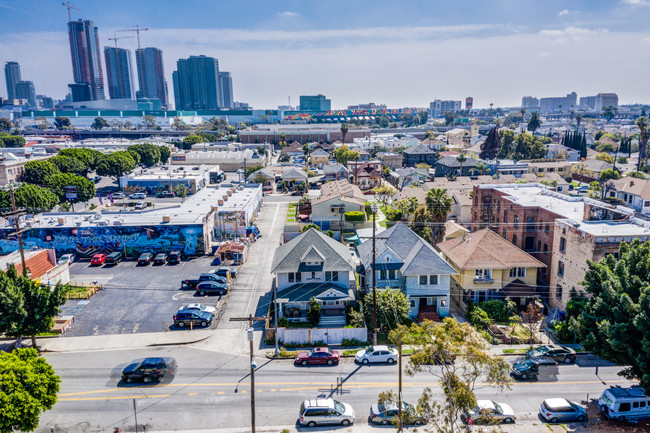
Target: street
{"points": [[211, 390]]}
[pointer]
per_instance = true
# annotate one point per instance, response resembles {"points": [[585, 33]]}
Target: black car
{"points": [[223, 271], [195, 318], [208, 287], [174, 258], [150, 369], [558, 353], [114, 258], [529, 369], [145, 258], [160, 259]]}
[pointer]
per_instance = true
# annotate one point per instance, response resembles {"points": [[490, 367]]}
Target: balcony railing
{"points": [[483, 281]]}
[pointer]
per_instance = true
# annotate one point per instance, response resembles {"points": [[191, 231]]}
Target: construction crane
{"points": [[137, 31], [117, 57], [70, 7]]}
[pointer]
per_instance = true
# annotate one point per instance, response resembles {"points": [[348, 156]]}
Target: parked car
{"points": [[96, 179], [117, 195], [198, 318], [150, 369], [325, 411], [530, 368], [208, 276], [624, 403], [198, 307], [189, 284], [174, 258], [385, 414], [140, 206], [98, 259], [138, 196], [555, 351], [145, 258], [114, 258], [160, 259], [70, 258], [208, 287], [318, 356], [561, 410], [488, 411], [376, 354]]}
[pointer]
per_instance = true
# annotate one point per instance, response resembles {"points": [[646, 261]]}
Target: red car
{"points": [[318, 356], [98, 259]]}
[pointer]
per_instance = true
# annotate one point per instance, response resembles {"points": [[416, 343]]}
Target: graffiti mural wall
{"points": [[87, 241]]}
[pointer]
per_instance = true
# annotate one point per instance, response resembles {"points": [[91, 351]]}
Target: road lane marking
{"points": [[193, 394], [120, 397]]}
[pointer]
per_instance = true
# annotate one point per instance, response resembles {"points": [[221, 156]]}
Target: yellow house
{"points": [[490, 267], [319, 158]]}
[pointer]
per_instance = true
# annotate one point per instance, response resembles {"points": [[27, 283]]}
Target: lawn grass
{"points": [[515, 350], [382, 223]]}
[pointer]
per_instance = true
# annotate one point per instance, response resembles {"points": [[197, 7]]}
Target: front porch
{"points": [[294, 302], [429, 307]]}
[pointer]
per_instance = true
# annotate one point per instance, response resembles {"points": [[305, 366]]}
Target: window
{"points": [[530, 224], [624, 407], [423, 280], [505, 233], [560, 269], [505, 216], [516, 221], [483, 274], [382, 274], [332, 276], [514, 240], [558, 292], [545, 249], [547, 228], [646, 203], [298, 277], [539, 246], [391, 274], [433, 280], [313, 275], [562, 245], [291, 277], [518, 273]]}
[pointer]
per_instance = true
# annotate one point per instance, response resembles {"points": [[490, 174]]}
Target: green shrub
{"points": [[285, 353], [314, 312], [393, 214], [352, 342], [355, 319], [283, 323], [479, 318], [497, 310], [355, 216], [303, 345], [622, 160]]}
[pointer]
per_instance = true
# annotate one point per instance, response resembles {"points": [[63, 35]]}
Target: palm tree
{"points": [[523, 114], [438, 204], [578, 120], [560, 107], [344, 130], [534, 123], [482, 167], [461, 159], [644, 133]]}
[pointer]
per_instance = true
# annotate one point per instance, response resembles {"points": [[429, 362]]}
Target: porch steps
{"points": [[331, 321], [428, 315]]}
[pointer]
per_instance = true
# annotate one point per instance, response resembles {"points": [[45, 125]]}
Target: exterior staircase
{"points": [[428, 315], [331, 321]]}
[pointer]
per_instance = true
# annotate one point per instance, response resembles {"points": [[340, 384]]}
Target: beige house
{"points": [[459, 137], [541, 167], [319, 158], [490, 267], [337, 198]]}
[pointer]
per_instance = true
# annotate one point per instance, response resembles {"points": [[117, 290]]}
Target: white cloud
{"points": [[564, 12], [636, 2], [289, 14]]}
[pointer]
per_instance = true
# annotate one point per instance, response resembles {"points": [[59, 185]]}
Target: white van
{"points": [[138, 195], [624, 403]]}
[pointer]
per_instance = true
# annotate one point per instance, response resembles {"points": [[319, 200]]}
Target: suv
{"points": [[150, 369], [185, 318], [531, 368], [555, 351], [114, 258], [325, 411], [174, 258], [212, 277]]}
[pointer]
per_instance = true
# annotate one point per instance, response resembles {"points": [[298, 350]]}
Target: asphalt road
{"points": [[211, 390], [135, 298]]}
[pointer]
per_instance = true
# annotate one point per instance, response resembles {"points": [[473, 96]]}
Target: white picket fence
{"points": [[327, 335]]}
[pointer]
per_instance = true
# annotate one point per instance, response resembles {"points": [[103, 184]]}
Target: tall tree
{"points": [[28, 386], [491, 146], [90, 157], [99, 123], [165, 153], [438, 205], [461, 160], [115, 164], [149, 153], [615, 324], [578, 120], [62, 122], [535, 122], [5, 124], [37, 171], [644, 133], [343, 154], [610, 112], [58, 182], [392, 308], [344, 131], [450, 118], [34, 198], [69, 164]]}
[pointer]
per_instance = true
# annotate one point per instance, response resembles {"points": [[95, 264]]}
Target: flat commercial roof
{"points": [[192, 211], [538, 196], [635, 228]]}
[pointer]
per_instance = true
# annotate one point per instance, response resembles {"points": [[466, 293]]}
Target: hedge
{"points": [[355, 217]]}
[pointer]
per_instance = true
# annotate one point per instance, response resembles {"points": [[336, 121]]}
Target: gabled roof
{"points": [[288, 257], [320, 152], [340, 189], [633, 185], [597, 165], [417, 257], [267, 173], [294, 173], [419, 149], [333, 167], [484, 249], [452, 161], [312, 255]]}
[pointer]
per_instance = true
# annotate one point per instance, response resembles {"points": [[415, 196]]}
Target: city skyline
{"points": [[499, 57]]}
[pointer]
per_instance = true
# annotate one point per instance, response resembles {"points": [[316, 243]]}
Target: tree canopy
{"points": [[89, 157], [115, 164], [28, 386], [58, 182], [165, 153], [392, 309], [37, 171], [615, 323], [438, 205], [70, 164], [535, 122], [491, 146], [343, 154], [62, 122], [99, 123], [8, 140], [149, 153]]}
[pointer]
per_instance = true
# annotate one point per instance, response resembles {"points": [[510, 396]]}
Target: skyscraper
{"points": [[151, 75], [315, 103], [226, 90], [25, 90], [197, 85], [118, 72], [12, 77], [86, 61]]}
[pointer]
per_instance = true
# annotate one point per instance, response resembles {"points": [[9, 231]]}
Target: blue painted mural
{"points": [[134, 240]]}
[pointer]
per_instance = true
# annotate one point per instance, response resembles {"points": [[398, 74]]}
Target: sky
{"points": [[400, 53]]}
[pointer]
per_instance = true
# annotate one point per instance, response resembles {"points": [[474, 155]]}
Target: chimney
{"points": [[631, 183]]}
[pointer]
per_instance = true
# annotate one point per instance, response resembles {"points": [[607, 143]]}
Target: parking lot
{"points": [[135, 298]]}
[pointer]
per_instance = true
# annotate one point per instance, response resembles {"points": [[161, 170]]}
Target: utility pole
{"points": [[250, 319], [399, 387], [341, 212], [374, 277], [16, 214]]}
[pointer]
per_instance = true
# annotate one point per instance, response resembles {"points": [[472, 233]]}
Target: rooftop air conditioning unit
{"points": [[117, 223], [78, 223], [62, 220], [167, 219]]}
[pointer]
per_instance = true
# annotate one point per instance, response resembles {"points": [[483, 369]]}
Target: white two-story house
{"points": [[313, 265], [405, 261], [633, 191]]}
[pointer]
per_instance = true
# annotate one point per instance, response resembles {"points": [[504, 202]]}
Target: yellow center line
{"points": [[122, 397]]}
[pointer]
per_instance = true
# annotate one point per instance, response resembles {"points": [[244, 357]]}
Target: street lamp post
{"points": [[374, 276]]}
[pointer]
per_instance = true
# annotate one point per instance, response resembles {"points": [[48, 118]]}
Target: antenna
{"points": [[70, 7]]}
